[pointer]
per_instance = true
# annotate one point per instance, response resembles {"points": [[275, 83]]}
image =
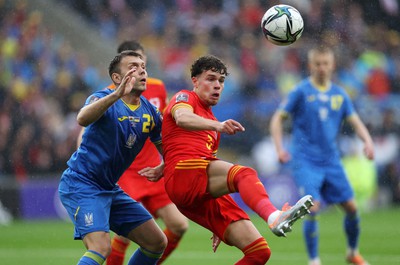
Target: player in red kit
{"points": [[199, 183], [151, 194]]}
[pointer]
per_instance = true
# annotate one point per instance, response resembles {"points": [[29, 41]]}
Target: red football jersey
{"points": [[180, 144]]}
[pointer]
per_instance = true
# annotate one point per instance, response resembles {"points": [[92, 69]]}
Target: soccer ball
{"points": [[282, 25]]}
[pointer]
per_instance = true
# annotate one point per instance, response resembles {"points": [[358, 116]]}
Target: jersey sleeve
{"points": [[155, 135], [290, 104], [348, 106], [182, 99], [95, 96]]}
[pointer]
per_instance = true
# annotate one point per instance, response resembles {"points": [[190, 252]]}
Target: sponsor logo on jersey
{"points": [[323, 97], [132, 120], [311, 98], [183, 97]]}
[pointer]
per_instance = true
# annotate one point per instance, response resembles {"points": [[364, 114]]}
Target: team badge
{"points": [[323, 97], [131, 140], [183, 97], [88, 219]]}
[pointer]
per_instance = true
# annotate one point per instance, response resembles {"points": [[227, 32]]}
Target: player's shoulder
{"points": [[337, 87], [304, 84], [184, 95], [145, 101], [102, 92]]}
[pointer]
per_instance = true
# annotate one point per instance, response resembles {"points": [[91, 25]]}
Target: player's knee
{"points": [[258, 257], [160, 244], [246, 173], [102, 248], [266, 254], [180, 227]]}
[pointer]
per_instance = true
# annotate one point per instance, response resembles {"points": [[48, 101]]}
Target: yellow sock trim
{"points": [[151, 254], [94, 257]]}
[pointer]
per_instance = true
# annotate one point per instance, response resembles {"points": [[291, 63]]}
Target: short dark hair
{"points": [[320, 49], [114, 64], [208, 62], [130, 45]]}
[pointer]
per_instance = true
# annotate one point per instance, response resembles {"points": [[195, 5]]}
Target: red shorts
{"points": [[187, 188], [151, 194]]}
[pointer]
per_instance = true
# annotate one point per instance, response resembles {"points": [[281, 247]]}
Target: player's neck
{"points": [[322, 85], [131, 99]]}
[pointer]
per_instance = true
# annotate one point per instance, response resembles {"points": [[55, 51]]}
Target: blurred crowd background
{"points": [[44, 79]]}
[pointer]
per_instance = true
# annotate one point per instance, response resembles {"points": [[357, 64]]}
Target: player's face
{"points": [[321, 66], [208, 86], [129, 62]]}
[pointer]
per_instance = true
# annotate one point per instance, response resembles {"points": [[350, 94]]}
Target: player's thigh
{"points": [[309, 178], [126, 214], [241, 233], [173, 219], [215, 214], [98, 241], [217, 172], [337, 188], [149, 236], [155, 199], [88, 207]]}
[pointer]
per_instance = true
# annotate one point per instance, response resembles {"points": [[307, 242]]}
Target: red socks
{"points": [[173, 241], [245, 181], [256, 253], [118, 249]]}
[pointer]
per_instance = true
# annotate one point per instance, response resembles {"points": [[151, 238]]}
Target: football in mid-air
{"points": [[282, 25]]}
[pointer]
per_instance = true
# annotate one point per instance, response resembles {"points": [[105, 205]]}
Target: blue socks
{"points": [[352, 229], [311, 232], [311, 235], [144, 257], [91, 258]]}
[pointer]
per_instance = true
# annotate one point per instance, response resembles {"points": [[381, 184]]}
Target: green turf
{"points": [[50, 242]]}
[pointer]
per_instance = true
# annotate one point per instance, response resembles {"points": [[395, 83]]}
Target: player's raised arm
{"points": [[186, 119]]}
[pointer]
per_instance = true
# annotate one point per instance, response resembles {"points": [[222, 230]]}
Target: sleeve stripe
{"points": [[180, 105]]}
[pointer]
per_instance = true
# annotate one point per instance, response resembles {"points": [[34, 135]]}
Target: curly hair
{"points": [[208, 62]]}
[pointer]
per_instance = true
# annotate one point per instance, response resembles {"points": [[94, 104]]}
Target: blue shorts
{"points": [[327, 182], [93, 209]]}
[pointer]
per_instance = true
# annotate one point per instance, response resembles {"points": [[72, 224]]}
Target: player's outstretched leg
{"points": [[281, 222]]}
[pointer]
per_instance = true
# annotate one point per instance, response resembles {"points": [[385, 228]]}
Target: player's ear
{"points": [[195, 81], [116, 78]]}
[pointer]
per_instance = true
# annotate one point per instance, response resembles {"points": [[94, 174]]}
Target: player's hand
{"points": [[284, 156], [231, 127], [369, 150], [127, 83], [215, 242], [152, 173]]}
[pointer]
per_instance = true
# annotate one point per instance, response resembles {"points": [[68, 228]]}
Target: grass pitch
{"points": [[50, 242]]}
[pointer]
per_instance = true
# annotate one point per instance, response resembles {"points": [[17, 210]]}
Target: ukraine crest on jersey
{"points": [[110, 144], [318, 116]]}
